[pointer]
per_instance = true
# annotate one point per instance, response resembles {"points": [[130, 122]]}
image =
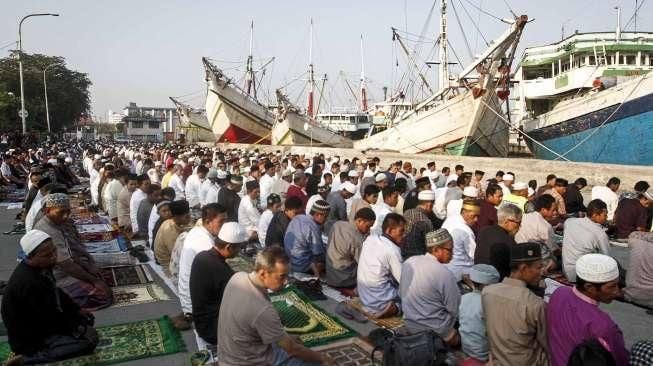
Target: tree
{"points": [[68, 93]]}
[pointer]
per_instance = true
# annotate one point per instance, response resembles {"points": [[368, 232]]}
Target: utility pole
{"points": [[45, 89], [23, 112]]}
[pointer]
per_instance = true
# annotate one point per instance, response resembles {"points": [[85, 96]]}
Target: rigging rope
{"points": [[475, 24], [460, 26], [483, 11], [630, 20]]}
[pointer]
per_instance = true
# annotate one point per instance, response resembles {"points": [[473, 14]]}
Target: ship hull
{"points": [[291, 131], [460, 126], [236, 117], [616, 133]]}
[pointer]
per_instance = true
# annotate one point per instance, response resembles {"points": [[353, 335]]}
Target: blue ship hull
{"points": [[626, 138]]}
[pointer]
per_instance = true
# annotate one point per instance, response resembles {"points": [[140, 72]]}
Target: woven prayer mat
{"points": [[111, 246], [94, 228], [240, 264], [92, 237], [387, 323], [352, 351], [138, 294], [126, 275], [306, 320], [126, 342]]}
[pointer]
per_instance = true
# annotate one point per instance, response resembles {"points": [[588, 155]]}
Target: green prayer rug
{"points": [[306, 320], [126, 342]]}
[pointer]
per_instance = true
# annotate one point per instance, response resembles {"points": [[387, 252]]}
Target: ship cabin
{"points": [[581, 63], [349, 124]]}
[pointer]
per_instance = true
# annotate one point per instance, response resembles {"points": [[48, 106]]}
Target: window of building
{"points": [[137, 124], [154, 125], [628, 59], [592, 60]]}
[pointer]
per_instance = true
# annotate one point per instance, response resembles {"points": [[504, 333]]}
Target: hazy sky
{"points": [[145, 51]]}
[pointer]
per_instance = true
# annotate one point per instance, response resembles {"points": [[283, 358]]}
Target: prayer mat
{"points": [[114, 259], [126, 342], [306, 320], [126, 275], [352, 351], [94, 228], [103, 236], [138, 294], [111, 246], [240, 264], [387, 323]]}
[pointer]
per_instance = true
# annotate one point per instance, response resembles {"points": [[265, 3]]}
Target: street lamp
{"points": [[23, 114], [45, 89]]}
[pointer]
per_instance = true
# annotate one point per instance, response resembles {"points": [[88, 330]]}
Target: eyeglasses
{"points": [[515, 221]]}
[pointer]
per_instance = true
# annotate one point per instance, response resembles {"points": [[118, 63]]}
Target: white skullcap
{"points": [[52, 161], [470, 192], [61, 154], [222, 174], [508, 177], [157, 163], [518, 186], [426, 195], [531, 191], [32, 239], [286, 173], [368, 174], [349, 187], [597, 268], [352, 174], [242, 160], [68, 159], [97, 156], [233, 233], [380, 177], [364, 160]]}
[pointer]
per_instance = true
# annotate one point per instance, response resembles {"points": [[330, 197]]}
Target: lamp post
{"points": [[45, 90], [23, 114]]}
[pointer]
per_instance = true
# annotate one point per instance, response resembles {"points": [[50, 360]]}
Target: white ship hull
{"points": [[291, 131], [232, 115]]}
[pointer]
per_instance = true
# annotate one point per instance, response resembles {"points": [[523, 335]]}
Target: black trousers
{"points": [[60, 347]]}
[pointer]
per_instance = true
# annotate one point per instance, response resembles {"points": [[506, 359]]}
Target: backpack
{"points": [[424, 348]]}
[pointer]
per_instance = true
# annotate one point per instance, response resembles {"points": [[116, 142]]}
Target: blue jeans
{"points": [[281, 358]]}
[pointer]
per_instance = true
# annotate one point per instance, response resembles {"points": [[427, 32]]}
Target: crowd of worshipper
{"points": [[505, 271]]}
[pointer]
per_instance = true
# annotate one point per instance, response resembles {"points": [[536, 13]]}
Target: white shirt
{"points": [[464, 245], [197, 240], [379, 273], [281, 188], [380, 210], [454, 207], [263, 225], [94, 178], [154, 217], [212, 194], [193, 185], [110, 197], [178, 185], [267, 184], [439, 208], [506, 190], [582, 236], [452, 177], [37, 205], [137, 197], [248, 215], [606, 195], [204, 189]]}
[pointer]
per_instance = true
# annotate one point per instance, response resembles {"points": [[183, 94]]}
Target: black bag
{"points": [[425, 348]]}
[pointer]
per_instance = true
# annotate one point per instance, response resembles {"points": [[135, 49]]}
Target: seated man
{"points": [[170, 229], [429, 291], [75, 272], [535, 227], [419, 223], [379, 269], [42, 321], [303, 240], [464, 240], [639, 278], [345, 244], [250, 331], [584, 236], [370, 196], [338, 202], [632, 214], [280, 220], [473, 335], [573, 313], [209, 275], [273, 206]]}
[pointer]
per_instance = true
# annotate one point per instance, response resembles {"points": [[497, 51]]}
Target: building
{"points": [[154, 124]]}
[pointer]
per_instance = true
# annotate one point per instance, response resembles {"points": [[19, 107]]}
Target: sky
{"points": [[145, 51]]}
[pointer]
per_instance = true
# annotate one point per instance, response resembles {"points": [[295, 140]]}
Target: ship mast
{"points": [[363, 86], [250, 80], [443, 77], [311, 76]]}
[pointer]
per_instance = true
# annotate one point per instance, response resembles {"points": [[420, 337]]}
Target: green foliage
{"points": [[68, 93]]}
